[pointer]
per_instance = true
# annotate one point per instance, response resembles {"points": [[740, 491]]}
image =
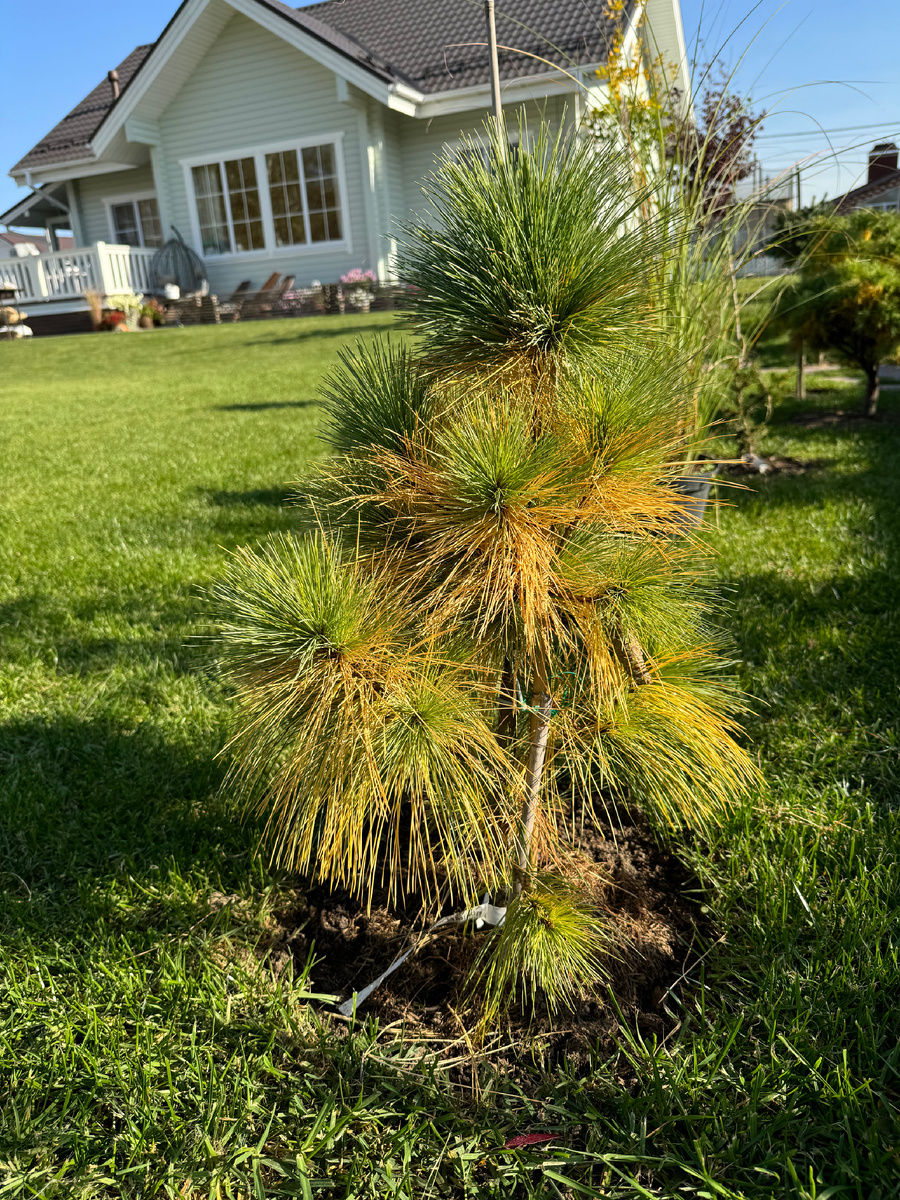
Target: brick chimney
{"points": [[882, 161]]}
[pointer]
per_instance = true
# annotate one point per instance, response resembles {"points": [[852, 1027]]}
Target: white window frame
{"points": [[258, 153], [455, 146], [129, 197]]}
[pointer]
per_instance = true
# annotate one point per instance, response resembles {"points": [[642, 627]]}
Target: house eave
{"points": [[76, 168], [558, 82]]}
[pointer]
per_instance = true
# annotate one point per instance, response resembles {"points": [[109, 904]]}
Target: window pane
{"points": [[335, 231], [283, 170], [214, 236], [322, 194], [151, 229], [318, 229], [125, 224], [243, 193]]}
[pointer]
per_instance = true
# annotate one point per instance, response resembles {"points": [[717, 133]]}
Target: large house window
{"points": [[269, 200], [228, 206], [322, 194], [210, 196], [286, 193], [136, 222]]}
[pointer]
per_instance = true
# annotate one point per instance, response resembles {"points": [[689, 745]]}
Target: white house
{"points": [[290, 140]]}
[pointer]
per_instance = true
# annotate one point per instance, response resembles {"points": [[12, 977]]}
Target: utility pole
{"points": [[495, 71]]}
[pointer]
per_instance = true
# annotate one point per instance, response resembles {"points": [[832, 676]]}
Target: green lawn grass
{"points": [[143, 1049]]}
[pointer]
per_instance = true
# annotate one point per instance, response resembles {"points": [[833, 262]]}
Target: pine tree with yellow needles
{"points": [[496, 614]]}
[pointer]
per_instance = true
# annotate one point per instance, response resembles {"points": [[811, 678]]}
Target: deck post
{"points": [[108, 283], [42, 288]]}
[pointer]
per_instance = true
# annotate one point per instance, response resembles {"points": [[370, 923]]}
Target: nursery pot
{"points": [[695, 490]]}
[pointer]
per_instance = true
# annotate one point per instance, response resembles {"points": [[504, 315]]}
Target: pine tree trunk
{"points": [[542, 705], [869, 406]]}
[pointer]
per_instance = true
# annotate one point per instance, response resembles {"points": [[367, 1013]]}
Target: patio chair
{"points": [[209, 311], [230, 309], [259, 304], [183, 312]]}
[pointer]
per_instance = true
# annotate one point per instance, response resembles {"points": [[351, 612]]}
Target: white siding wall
{"points": [[423, 141], [253, 89], [95, 189]]}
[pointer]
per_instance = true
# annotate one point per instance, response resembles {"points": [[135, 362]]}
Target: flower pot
{"points": [[695, 492], [145, 322]]}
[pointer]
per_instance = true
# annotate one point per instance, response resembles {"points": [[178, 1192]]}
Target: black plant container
{"points": [[695, 490]]}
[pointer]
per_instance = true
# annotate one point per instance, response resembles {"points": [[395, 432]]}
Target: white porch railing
{"points": [[68, 274]]}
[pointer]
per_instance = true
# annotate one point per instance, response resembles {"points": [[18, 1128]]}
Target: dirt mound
{"points": [[650, 898]]}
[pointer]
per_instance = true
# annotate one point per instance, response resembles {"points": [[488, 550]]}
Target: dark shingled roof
{"points": [[69, 139], [390, 39], [861, 197], [425, 45]]}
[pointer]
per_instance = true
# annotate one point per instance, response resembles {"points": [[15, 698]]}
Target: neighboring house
{"points": [[766, 198], [20, 245], [293, 140], [882, 187]]}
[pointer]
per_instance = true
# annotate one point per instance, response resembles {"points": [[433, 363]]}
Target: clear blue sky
{"points": [[816, 62]]}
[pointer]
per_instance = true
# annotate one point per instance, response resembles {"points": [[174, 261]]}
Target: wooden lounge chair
{"points": [[230, 309], [259, 304]]}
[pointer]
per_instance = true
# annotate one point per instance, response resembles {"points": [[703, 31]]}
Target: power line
{"points": [[889, 125]]}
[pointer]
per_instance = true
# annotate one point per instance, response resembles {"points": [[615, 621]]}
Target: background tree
{"points": [[495, 620], [711, 153], [846, 297], [798, 231]]}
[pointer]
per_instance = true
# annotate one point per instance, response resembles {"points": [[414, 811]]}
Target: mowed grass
{"points": [[148, 1048]]}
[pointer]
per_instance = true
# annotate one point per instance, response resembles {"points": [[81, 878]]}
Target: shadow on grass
{"points": [[105, 630], [342, 331], [277, 497], [85, 800], [824, 650], [265, 404]]}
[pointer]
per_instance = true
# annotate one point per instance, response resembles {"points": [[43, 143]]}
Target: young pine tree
{"points": [[495, 616]]}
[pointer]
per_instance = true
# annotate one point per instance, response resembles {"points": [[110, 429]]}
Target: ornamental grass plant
{"points": [[496, 617]]}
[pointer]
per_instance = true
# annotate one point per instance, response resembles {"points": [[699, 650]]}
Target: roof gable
{"points": [[70, 139]]}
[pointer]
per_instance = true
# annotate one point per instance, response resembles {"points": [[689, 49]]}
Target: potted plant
{"points": [[152, 314], [359, 287], [114, 320]]}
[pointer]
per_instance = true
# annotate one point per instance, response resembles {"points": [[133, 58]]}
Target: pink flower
{"points": [[356, 276]]}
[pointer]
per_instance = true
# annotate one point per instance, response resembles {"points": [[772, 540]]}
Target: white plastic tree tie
{"points": [[483, 914]]}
